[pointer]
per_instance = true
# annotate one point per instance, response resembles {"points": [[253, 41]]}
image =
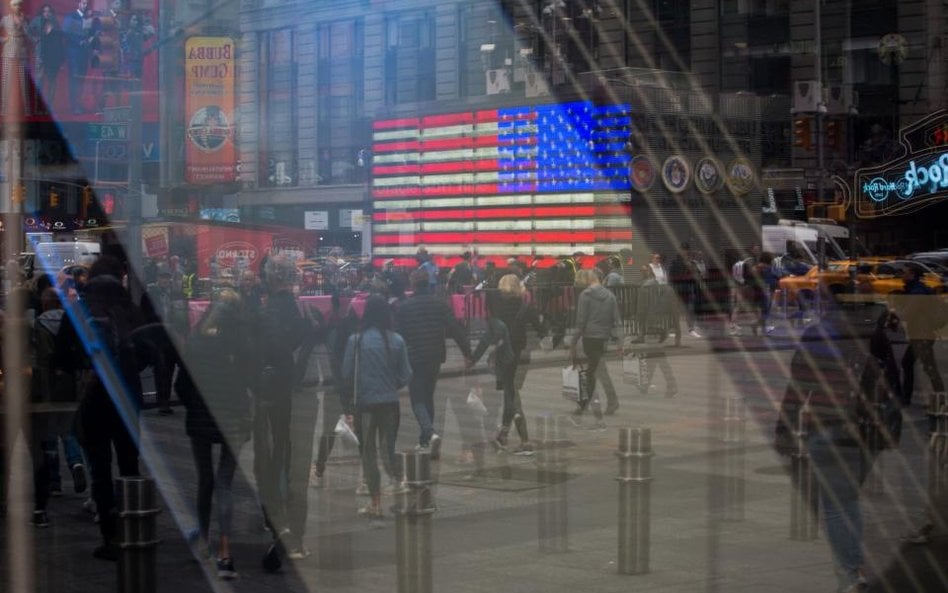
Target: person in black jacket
{"points": [[509, 307], [215, 390], [111, 395], [423, 320]]}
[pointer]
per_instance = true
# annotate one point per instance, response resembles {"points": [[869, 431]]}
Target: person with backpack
{"points": [[842, 394], [376, 362], [104, 343], [214, 386], [740, 272]]}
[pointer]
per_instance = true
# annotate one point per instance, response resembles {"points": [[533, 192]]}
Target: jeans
{"points": [[271, 452], [99, 451], [840, 471], [421, 390], [209, 483], [513, 408], [594, 349], [378, 429], [71, 451], [332, 409]]}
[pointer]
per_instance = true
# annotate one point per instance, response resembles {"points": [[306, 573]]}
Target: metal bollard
{"points": [[138, 535], [938, 448], [552, 510], [413, 511], [635, 499], [734, 459], [804, 525]]}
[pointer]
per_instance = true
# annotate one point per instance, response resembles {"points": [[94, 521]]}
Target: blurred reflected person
{"points": [[684, 278], [215, 390], [833, 376], [279, 332]]}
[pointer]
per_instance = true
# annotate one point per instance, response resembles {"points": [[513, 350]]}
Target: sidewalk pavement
{"points": [[711, 529]]}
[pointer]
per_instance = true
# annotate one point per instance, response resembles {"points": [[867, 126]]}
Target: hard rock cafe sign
{"points": [[916, 179]]}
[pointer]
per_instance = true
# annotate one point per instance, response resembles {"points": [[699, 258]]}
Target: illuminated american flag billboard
{"points": [[524, 181]]}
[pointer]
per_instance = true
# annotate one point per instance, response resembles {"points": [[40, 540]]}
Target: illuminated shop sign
{"points": [[917, 179]]}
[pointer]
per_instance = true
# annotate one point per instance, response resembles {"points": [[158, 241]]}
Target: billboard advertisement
{"points": [[210, 154], [74, 60]]}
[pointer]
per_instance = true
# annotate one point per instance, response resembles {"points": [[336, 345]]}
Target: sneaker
{"points": [[370, 512], [362, 489], [735, 330], [524, 450], [225, 569], [611, 409], [55, 490], [395, 487], [769, 329], [79, 478], [435, 444], [694, 334], [40, 520], [107, 551], [921, 536], [499, 445], [576, 418], [298, 553]]}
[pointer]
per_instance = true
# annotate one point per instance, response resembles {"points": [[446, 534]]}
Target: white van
{"points": [[52, 256], [777, 239]]}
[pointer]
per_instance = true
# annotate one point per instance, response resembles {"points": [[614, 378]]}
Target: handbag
{"points": [[475, 402], [574, 388], [345, 432], [635, 370]]}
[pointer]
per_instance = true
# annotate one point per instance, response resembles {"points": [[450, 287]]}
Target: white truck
{"points": [[804, 236]]}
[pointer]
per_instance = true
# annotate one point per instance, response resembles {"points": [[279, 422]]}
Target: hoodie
{"points": [[597, 315]]}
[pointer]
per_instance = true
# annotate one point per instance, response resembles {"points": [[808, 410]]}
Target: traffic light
{"points": [[18, 193], [53, 199], [87, 198], [803, 133], [834, 134]]}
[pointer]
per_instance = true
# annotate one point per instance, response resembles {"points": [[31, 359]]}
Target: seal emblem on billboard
{"points": [[740, 176], [209, 129], [643, 173], [708, 176], [676, 173]]}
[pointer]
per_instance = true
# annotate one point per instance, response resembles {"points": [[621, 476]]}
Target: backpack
{"points": [[837, 380], [737, 271]]}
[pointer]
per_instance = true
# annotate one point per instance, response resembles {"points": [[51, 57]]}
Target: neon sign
{"points": [[935, 176]]}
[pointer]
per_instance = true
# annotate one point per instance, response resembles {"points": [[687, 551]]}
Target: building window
{"points": [[342, 130], [673, 47], [277, 108], [410, 57]]}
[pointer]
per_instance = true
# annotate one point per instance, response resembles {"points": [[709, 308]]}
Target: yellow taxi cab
{"points": [[878, 276]]}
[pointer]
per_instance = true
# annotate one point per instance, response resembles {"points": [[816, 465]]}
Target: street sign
{"points": [[107, 132]]}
